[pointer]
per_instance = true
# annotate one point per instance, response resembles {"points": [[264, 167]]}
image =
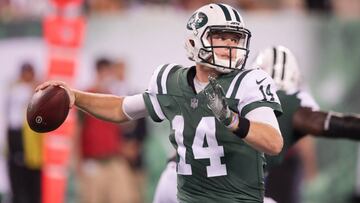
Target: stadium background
{"points": [[327, 45]]}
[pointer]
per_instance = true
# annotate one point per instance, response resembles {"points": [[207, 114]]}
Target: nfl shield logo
{"points": [[194, 103]]}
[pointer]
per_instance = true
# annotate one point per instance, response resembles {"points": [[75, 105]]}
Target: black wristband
{"points": [[243, 128]]}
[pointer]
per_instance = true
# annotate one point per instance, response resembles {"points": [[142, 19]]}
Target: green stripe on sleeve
{"points": [[238, 82], [249, 107], [159, 76], [150, 108]]}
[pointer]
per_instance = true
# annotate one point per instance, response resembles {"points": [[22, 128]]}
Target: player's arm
{"points": [[263, 132], [259, 128], [103, 106], [327, 124], [264, 138]]}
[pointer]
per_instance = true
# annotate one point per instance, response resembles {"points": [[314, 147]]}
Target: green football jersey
{"points": [[291, 102], [213, 165]]}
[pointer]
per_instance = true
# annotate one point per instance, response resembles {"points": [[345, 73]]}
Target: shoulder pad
{"points": [[159, 79]]}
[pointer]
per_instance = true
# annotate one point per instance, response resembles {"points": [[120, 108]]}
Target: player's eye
{"points": [[235, 40], [217, 37]]}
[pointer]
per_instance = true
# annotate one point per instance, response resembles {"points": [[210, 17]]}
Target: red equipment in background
{"points": [[64, 36]]}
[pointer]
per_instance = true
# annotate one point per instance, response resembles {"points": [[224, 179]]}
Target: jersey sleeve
{"points": [[156, 88], [134, 107], [307, 100], [257, 89]]}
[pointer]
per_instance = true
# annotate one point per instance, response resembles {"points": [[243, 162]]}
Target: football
{"points": [[48, 109]]}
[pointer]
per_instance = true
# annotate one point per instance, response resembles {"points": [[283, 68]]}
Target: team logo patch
{"points": [[194, 103], [197, 20]]}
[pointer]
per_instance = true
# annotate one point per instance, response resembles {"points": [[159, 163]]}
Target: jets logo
{"points": [[197, 20]]}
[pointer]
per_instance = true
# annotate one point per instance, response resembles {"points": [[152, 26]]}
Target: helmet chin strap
{"points": [[226, 63], [223, 70], [221, 62]]}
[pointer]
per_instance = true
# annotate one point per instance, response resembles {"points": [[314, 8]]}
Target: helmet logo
{"points": [[197, 20]]}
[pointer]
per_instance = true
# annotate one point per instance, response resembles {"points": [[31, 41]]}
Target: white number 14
{"points": [[205, 130]]}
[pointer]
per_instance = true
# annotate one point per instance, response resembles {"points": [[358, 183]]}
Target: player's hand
{"points": [[216, 102], [62, 84]]}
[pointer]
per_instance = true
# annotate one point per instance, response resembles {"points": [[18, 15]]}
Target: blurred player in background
{"points": [[282, 65], [24, 146], [220, 133], [135, 131], [301, 117], [103, 169]]}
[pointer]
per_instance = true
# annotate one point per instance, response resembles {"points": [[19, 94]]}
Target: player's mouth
{"points": [[226, 56]]}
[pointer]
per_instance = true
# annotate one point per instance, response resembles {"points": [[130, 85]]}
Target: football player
{"points": [[301, 117], [222, 117]]}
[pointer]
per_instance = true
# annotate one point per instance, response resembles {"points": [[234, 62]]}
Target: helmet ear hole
{"points": [[192, 42]]}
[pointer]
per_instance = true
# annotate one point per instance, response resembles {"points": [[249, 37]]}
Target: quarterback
{"points": [[222, 116], [301, 117]]}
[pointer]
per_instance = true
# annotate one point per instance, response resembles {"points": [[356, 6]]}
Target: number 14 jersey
{"points": [[213, 165]]}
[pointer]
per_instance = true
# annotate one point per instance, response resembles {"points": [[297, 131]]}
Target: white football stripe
{"points": [[164, 77], [231, 88], [153, 87], [156, 105]]}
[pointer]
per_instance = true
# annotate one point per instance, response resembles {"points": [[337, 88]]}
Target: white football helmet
{"points": [[280, 63], [216, 18]]}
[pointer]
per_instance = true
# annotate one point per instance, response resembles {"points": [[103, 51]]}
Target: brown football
{"points": [[48, 109]]}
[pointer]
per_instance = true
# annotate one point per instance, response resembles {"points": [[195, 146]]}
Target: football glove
{"points": [[217, 103]]}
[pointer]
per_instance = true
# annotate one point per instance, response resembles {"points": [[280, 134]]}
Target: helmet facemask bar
{"points": [[209, 57]]}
